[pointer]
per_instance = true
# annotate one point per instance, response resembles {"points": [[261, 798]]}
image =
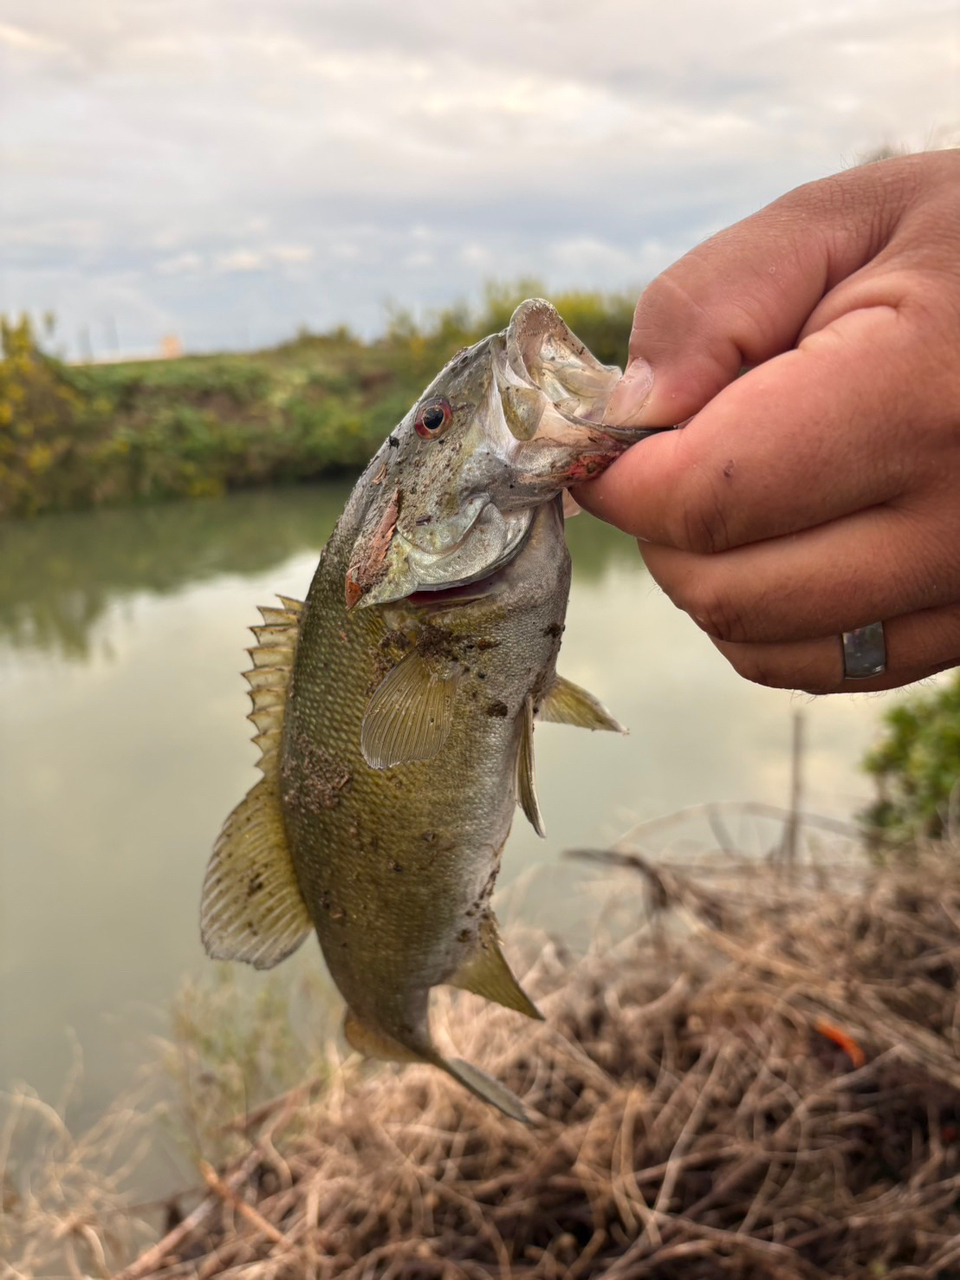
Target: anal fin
{"points": [[486, 973], [566, 703]]}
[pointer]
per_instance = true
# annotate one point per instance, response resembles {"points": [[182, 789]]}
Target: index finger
{"points": [[809, 436], [744, 295]]}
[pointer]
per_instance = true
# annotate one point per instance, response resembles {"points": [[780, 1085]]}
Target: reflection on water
{"points": [[123, 746], [60, 574]]}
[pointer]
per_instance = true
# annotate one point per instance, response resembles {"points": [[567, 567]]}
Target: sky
{"points": [[227, 171]]}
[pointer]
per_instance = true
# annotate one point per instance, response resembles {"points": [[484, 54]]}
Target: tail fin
{"points": [[485, 1087]]}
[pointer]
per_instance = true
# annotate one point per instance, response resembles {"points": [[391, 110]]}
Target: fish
{"points": [[395, 707]]}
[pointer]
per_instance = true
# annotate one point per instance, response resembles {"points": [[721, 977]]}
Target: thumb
{"points": [[744, 295]]}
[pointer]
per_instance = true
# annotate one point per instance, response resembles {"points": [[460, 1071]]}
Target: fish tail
{"points": [[485, 1087]]}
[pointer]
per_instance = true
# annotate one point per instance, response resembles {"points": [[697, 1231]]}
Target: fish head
{"points": [[506, 426]]}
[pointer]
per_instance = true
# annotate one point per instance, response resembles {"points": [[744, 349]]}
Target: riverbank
{"points": [[96, 435], [761, 1080]]}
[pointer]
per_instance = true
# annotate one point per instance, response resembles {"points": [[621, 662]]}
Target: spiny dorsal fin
{"points": [[526, 787], [486, 973], [410, 714], [251, 907], [566, 703], [269, 679]]}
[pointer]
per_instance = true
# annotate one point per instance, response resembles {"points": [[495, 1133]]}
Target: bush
{"points": [[916, 766], [198, 425]]}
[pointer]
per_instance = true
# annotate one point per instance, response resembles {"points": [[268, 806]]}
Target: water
{"points": [[123, 745]]}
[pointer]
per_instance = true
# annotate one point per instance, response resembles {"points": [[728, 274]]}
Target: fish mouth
{"points": [[488, 545], [451, 595]]}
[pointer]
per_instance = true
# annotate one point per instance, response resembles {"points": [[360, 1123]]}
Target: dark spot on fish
{"points": [[428, 837], [393, 442], [313, 779], [255, 885], [252, 927], [555, 629], [464, 935], [497, 709], [728, 470], [481, 675], [395, 866]]}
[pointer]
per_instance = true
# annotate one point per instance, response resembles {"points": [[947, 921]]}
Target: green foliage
{"points": [[916, 766], [197, 426], [39, 414]]}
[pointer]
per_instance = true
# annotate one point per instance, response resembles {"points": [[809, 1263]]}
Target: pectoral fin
{"points": [[251, 907], [566, 703], [487, 974], [410, 714], [526, 788]]}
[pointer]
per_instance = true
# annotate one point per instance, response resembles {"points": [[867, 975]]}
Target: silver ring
{"points": [[864, 652]]}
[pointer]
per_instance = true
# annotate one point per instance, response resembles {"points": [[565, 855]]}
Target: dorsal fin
{"points": [[251, 907], [269, 678]]}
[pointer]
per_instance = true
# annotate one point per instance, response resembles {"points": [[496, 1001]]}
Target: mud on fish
{"points": [[395, 707]]}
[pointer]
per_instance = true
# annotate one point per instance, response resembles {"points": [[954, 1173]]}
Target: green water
{"points": [[123, 745]]}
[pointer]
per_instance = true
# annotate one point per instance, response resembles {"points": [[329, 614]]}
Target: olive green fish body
{"points": [[395, 708], [396, 866]]}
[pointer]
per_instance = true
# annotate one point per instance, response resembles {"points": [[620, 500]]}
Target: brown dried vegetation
{"points": [[704, 1113]]}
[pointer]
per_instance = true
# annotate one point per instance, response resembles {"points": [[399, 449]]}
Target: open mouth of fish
{"points": [[480, 584]]}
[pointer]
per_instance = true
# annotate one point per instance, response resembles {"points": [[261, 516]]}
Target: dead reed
{"points": [[761, 1082]]}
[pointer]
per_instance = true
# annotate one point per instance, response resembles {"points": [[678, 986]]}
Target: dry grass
{"points": [[763, 1083]]}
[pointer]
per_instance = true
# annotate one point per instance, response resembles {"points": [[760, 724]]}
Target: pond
{"points": [[123, 745]]}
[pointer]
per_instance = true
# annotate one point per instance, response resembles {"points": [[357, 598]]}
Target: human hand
{"points": [[820, 491]]}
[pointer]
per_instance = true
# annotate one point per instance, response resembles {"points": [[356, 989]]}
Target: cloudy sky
{"points": [[226, 170]]}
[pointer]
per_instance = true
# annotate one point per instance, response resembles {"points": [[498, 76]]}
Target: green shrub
{"points": [[916, 765], [199, 425]]}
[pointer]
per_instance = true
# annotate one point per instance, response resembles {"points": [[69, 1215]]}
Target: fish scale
{"points": [[395, 708]]}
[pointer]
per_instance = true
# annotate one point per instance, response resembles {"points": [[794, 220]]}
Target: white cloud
{"points": [[305, 162], [241, 260], [292, 254], [180, 263]]}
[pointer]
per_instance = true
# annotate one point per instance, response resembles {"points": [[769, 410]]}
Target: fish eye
{"points": [[433, 417]]}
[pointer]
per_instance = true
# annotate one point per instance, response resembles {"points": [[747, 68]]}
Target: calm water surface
{"points": [[123, 745]]}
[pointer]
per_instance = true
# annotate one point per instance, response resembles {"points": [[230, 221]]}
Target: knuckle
{"points": [[717, 614], [775, 669], [700, 522]]}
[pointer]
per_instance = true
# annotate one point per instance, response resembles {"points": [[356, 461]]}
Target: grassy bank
{"points": [[762, 1083], [94, 435]]}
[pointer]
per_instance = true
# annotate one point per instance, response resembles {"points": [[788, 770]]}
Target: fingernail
{"points": [[630, 395]]}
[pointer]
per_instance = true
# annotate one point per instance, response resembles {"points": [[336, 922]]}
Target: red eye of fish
{"points": [[433, 418]]}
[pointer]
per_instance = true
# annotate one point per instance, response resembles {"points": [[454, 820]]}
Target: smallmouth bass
{"points": [[395, 708]]}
